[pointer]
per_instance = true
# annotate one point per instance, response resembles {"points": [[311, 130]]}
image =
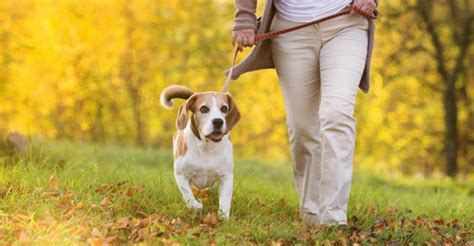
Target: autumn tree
{"points": [[449, 53]]}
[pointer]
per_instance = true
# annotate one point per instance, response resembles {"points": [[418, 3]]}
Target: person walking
{"points": [[319, 68]]}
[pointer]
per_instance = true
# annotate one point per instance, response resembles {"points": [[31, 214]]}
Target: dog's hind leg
{"points": [[226, 184], [187, 192]]}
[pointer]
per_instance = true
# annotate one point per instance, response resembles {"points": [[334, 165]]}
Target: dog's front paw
{"points": [[195, 205]]}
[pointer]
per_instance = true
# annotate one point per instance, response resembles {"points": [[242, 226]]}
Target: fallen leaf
{"points": [[96, 233], [282, 202], [70, 213], [112, 240], [22, 217], [49, 194], [122, 223], [105, 203], [210, 219], [142, 233], [53, 182], [95, 241], [80, 205], [140, 188], [23, 237], [128, 192]]}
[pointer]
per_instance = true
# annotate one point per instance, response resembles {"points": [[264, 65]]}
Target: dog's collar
{"points": [[194, 127]]}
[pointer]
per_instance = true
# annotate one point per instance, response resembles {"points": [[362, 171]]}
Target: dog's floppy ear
{"points": [[233, 116], [182, 119]]}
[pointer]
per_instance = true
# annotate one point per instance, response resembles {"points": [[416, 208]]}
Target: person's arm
{"points": [[245, 23]]}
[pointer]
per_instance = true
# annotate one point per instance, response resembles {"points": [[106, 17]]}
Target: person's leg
{"points": [[296, 57], [342, 60]]}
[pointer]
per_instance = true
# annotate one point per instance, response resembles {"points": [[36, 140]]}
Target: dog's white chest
{"points": [[204, 166], [205, 171]]}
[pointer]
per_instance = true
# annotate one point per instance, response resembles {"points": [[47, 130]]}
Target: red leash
{"points": [[276, 33]]}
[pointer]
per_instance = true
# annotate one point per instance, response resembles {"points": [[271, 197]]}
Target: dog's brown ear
{"points": [[182, 119], [233, 116]]}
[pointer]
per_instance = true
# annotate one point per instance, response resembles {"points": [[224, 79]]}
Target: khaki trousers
{"points": [[319, 68]]}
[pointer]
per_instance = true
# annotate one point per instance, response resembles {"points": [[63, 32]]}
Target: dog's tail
{"points": [[174, 91]]}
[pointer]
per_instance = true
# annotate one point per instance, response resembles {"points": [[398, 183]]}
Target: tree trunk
{"points": [[131, 75], [451, 137], [139, 129]]}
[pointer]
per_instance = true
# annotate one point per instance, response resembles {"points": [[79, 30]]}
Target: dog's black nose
{"points": [[217, 123]]}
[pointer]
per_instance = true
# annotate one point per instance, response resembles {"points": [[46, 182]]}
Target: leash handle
{"points": [[270, 35]]}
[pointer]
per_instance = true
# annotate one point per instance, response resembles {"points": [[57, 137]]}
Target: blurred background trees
{"points": [[93, 71]]}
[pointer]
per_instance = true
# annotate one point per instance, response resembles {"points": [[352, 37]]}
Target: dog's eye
{"points": [[204, 109], [224, 109]]}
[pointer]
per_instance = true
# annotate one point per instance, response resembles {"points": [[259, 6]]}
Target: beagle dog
{"points": [[202, 148]]}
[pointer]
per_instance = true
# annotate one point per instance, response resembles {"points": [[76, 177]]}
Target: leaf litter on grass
{"points": [[99, 222]]}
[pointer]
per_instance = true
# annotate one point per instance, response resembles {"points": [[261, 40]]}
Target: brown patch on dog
{"points": [[182, 119], [233, 115], [195, 126], [180, 147]]}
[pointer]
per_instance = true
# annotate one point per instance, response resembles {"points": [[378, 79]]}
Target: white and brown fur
{"points": [[203, 152]]}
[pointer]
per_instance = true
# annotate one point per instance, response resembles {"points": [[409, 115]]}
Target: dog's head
{"points": [[213, 114]]}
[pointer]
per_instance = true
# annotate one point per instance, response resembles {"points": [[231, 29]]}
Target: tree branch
{"points": [[425, 7], [463, 50]]}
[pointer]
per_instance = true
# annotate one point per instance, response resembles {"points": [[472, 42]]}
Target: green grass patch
{"points": [[68, 193]]}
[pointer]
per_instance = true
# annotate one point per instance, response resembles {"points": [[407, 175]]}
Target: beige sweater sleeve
{"points": [[245, 17]]}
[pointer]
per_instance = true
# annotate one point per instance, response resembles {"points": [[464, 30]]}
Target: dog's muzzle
{"points": [[215, 136]]}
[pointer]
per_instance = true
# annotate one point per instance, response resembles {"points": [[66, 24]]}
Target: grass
{"points": [[65, 193]]}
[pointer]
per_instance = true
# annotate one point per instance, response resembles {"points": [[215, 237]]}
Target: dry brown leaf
{"points": [[64, 201], [210, 219], [106, 187], [439, 221], [112, 240], [304, 235], [95, 241], [49, 194], [282, 202], [128, 192], [141, 213], [53, 182], [195, 191], [80, 231], [22, 217], [105, 203], [140, 188], [122, 223], [142, 233], [79, 205], [317, 227], [355, 237], [273, 243], [96, 233], [23, 237], [144, 222], [341, 241], [70, 213]]}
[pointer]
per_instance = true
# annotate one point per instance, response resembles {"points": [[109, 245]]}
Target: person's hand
{"points": [[368, 6], [244, 38]]}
